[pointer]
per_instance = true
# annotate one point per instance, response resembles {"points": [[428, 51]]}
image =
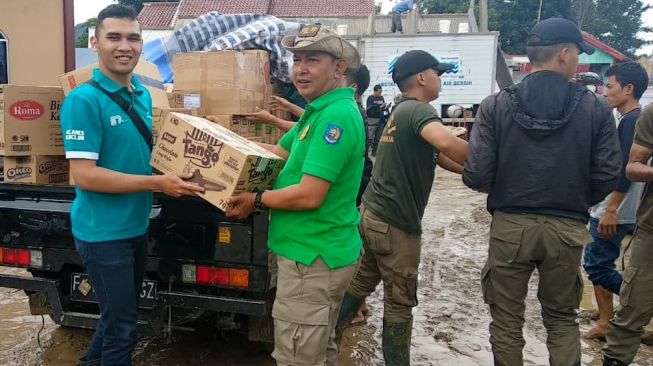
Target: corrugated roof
{"points": [[618, 56], [331, 8], [278, 8], [195, 8], [350, 13], [157, 15]]}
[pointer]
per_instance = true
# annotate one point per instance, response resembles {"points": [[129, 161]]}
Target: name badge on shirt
{"points": [[304, 133]]}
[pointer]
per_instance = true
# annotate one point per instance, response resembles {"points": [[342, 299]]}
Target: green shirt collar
{"points": [[112, 87], [330, 97]]}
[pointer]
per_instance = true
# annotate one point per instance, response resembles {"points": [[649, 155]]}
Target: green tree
{"points": [[138, 4], [444, 6], [513, 19], [615, 22], [377, 8], [82, 40]]}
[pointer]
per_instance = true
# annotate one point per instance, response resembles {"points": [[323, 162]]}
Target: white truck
{"points": [[473, 79]]}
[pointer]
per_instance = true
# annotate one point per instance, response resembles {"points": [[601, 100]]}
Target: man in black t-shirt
{"points": [[374, 109]]}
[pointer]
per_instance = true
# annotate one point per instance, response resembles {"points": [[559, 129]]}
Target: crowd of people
{"points": [[547, 152]]}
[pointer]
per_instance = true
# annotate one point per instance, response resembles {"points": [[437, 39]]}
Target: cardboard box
{"points": [[158, 115], [228, 82], [29, 120], [222, 162], [37, 170], [235, 123], [184, 100], [146, 72]]}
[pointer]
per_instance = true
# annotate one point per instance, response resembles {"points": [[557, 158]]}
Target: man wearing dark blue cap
{"points": [[395, 199], [545, 151]]}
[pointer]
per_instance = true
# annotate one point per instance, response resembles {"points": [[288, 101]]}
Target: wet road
{"points": [[450, 326]]}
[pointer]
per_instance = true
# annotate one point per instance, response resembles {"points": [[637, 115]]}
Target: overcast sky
{"points": [[85, 9]]}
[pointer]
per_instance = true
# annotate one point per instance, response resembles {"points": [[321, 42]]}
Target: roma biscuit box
{"points": [[220, 160], [29, 120], [36, 170]]}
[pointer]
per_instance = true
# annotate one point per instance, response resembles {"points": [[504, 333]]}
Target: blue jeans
{"points": [[601, 254], [116, 269]]}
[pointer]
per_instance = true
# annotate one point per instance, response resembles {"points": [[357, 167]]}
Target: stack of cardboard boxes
{"points": [[225, 85], [219, 150], [30, 135]]}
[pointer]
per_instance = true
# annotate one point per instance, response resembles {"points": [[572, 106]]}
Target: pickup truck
{"points": [[200, 263]]}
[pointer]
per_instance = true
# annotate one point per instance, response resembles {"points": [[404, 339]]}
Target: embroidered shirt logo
{"points": [[77, 135], [115, 120], [332, 134]]}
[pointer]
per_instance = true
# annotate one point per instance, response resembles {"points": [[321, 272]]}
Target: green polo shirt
{"points": [[328, 142], [94, 127]]}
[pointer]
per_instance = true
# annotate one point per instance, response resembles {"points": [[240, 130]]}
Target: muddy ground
{"points": [[450, 325]]}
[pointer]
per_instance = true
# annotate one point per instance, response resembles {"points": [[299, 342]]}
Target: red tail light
{"points": [[215, 276], [15, 257]]}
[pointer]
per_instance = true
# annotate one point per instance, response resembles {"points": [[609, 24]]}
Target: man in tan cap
{"points": [[313, 216]]}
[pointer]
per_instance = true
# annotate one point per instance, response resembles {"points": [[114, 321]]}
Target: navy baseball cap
{"points": [[556, 31], [416, 61]]}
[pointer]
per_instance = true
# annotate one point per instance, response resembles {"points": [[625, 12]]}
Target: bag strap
{"points": [[127, 107]]}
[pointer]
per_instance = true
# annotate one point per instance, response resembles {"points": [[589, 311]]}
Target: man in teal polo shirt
{"points": [[313, 224], [109, 160]]}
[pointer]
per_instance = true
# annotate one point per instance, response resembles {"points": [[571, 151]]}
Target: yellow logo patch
{"points": [[309, 30], [304, 133]]}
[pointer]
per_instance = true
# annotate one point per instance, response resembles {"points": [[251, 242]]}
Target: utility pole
{"points": [[483, 15], [539, 11]]}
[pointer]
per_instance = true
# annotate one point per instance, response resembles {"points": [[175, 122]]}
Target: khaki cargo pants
{"points": [[393, 256], [636, 298], [306, 311], [519, 243]]}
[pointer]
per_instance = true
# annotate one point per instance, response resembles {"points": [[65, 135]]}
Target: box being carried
{"points": [[222, 82], [159, 114], [146, 72], [29, 120], [221, 161], [36, 170]]}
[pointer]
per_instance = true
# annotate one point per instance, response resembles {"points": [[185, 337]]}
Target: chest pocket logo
{"points": [[115, 120]]}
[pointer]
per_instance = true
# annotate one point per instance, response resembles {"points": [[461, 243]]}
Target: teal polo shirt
{"points": [[94, 127], [328, 142]]}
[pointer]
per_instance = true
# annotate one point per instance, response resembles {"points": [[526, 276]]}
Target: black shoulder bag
{"points": [[127, 107]]}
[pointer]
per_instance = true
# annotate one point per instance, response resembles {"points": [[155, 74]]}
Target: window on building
{"points": [[4, 60]]}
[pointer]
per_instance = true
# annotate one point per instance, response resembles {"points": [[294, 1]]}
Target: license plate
{"points": [[86, 293]]}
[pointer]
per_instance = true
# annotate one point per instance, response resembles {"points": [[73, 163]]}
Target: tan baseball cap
{"points": [[320, 38]]}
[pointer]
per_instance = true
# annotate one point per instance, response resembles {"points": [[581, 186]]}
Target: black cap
{"points": [[555, 31], [416, 61]]}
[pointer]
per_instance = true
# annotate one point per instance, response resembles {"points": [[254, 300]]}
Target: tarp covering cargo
{"points": [[216, 32]]}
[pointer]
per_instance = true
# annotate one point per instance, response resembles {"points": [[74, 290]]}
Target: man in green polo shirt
{"points": [[313, 223], [109, 160]]}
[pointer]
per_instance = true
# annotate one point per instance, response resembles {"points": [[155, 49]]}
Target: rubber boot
{"points": [[83, 362], [607, 361], [348, 310], [396, 343]]}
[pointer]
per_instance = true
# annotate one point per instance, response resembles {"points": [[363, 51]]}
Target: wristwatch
{"points": [[257, 201]]}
